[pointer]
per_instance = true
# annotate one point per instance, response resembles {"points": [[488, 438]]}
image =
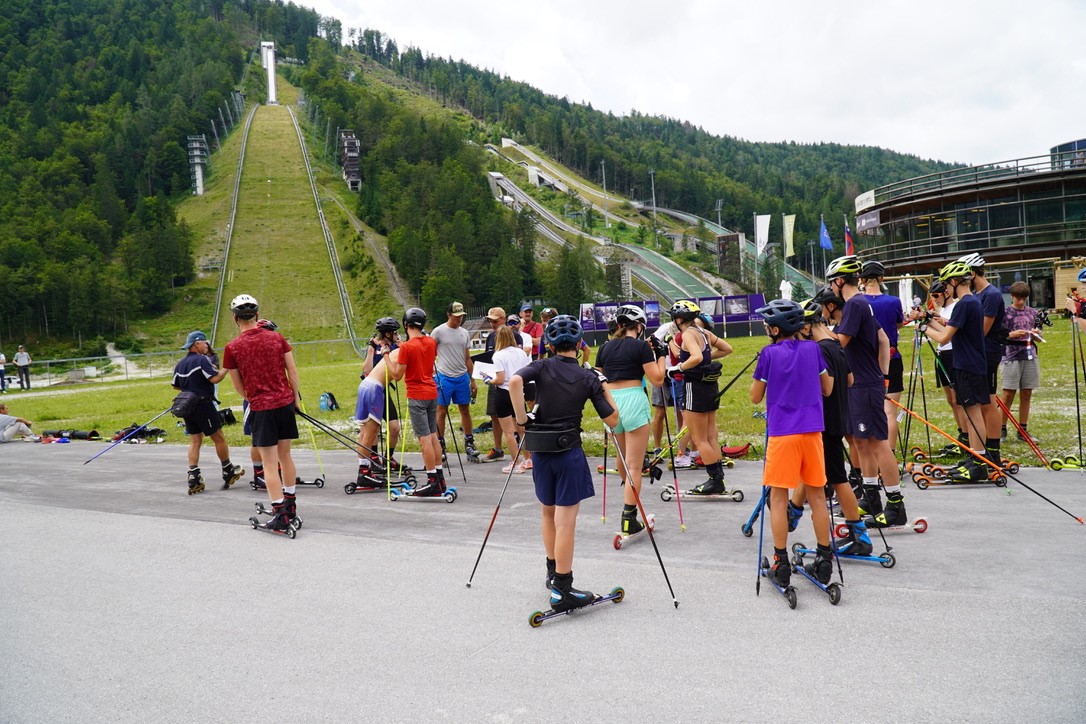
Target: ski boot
{"points": [[430, 488], [794, 514], [781, 570], [469, 446], [822, 566], [549, 583], [869, 501], [892, 514], [444, 453], [440, 479], [278, 523], [257, 483], [564, 597], [968, 471], [231, 475], [857, 543], [196, 481], [630, 523]]}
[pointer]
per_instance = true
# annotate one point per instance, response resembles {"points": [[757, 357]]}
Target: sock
{"points": [[629, 509], [983, 454], [825, 550], [993, 444], [258, 469], [278, 502], [550, 565], [193, 467], [289, 489], [894, 490], [781, 553], [227, 465], [871, 482]]}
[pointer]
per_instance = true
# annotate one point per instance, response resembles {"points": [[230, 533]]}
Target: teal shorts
{"points": [[633, 408]]}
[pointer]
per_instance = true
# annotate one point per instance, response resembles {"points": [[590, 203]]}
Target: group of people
{"points": [[22, 362]]}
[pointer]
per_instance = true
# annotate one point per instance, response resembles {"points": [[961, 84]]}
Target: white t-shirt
{"points": [[944, 314], [510, 361], [3, 360], [451, 345]]}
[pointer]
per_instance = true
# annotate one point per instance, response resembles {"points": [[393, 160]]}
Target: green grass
{"points": [[111, 406]]}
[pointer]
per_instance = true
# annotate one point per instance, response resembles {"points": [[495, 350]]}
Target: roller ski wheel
{"points": [[1056, 464], [789, 591], [600, 469], [195, 488], [448, 496], [317, 482], [290, 531], [622, 540], [747, 530], [916, 525], [727, 462], [886, 560], [832, 589], [668, 493], [538, 617], [918, 454], [374, 485], [295, 522]]}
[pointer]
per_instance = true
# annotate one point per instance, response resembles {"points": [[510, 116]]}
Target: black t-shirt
{"points": [[992, 305], [624, 358], [968, 319], [492, 339], [859, 323], [835, 407], [563, 386]]}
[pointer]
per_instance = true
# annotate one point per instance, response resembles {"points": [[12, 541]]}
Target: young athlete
{"points": [[626, 361], [943, 303], [370, 411], [867, 349], [561, 474], [262, 369], [791, 377], [891, 317], [385, 340], [415, 362], [668, 394], [966, 329], [509, 358], [995, 335], [195, 374], [1020, 367]]}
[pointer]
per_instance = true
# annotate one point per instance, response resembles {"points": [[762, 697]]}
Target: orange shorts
{"points": [[794, 459]]}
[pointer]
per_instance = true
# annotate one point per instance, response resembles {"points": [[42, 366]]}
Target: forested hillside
{"points": [[692, 168], [96, 100]]}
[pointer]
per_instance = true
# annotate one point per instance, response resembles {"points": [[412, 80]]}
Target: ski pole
{"points": [[1022, 431], [456, 447], [644, 517], [495, 516], [986, 461], [313, 442], [737, 376], [761, 534], [674, 472], [603, 515], [1076, 342], [337, 436], [118, 442]]}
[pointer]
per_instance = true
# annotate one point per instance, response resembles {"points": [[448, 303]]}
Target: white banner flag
{"points": [[789, 229], [761, 232]]}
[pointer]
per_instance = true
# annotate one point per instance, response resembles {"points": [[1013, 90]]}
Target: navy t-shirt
{"points": [[888, 312], [193, 374], [968, 319], [862, 352], [563, 386], [992, 305], [624, 358]]}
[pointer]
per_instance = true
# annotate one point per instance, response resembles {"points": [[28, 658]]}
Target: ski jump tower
{"points": [[267, 60]]}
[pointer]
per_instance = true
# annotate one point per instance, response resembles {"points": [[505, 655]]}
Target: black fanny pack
{"points": [[707, 373], [539, 439]]}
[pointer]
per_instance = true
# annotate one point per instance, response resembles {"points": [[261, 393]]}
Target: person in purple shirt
{"points": [[867, 349], [791, 377], [891, 317]]}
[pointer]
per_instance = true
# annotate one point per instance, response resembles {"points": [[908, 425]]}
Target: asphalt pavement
{"points": [[125, 599]]}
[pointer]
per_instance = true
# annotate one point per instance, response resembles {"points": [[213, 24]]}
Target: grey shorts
{"points": [[1021, 374], [423, 414]]}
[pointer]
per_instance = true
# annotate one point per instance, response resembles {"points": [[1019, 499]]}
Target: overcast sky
{"points": [[954, 80]]}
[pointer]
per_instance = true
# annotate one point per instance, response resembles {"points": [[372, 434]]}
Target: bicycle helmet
{"points": [[684, 309], [414, 317], [628, 313], [563, 329], [954, 270], [784, 314], [828, 295], [812, 310], [937, 287], [843, 266], [706, 319], [872, 270], [1082, 276], [387, 325], [267, 324], [972, 260], [244, 303]]}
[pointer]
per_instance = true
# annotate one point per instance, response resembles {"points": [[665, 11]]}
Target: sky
{"points": [[954, 80]]}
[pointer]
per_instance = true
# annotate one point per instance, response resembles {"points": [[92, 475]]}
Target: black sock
{"points": [[226, 465], [563, 581], [781, 553], [992, 444], [550, 566], [826, 550], [626, 509]]}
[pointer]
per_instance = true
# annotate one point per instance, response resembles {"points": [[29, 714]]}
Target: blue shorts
{"points": [[371, 402], [453, 390], [562, 478]]}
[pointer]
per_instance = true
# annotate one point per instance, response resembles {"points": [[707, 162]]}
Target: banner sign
{"points": [[588, 318], [867, 221]]}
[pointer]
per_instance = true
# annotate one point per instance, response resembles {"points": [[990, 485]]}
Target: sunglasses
{"points": [[514, 322]]}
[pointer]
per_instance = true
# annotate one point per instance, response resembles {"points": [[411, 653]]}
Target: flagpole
{"points": [[823, 220], [755, 252]]}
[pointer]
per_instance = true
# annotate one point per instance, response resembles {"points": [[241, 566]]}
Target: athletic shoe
{"points": [[494, 456], [32, 438], [524, 466], [683, 461]]}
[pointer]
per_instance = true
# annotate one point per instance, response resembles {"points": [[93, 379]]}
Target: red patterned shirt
{"points": [[258, 355]]}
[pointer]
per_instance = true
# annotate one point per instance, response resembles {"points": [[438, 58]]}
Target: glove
{"points": [[658, 348], [599, 375], [674, 371], [529, 420]]}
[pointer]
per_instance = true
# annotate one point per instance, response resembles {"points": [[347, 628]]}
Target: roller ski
{"points": [[916, 525], [278, 524], [317, 482], [1069, 463], [196, 482], [970, 472], [711, 489], [780, 575], [819, 573], [565, 599], [632, 529], [886, 560], [231, 475], [432, 489], [290, 506]]}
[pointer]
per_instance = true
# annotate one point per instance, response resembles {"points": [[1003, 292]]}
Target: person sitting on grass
{"points": [[12, 427]]}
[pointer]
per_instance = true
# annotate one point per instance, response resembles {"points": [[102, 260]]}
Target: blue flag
{"points": [[824, 237]]}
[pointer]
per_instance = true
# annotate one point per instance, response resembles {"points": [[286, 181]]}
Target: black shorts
{"points": [[971, 389], [204, 420], [833, 450], [503, 405], [867, 413], [701, 396], [993, 359], [945, 379], [491, 401], [897, 375], [271, 426]]}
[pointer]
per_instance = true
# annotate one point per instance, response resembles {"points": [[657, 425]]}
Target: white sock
{"points": [[873, 482], [893, 489], [289, 489]]}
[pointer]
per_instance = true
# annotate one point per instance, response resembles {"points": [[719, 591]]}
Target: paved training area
{"points": [[125, 599]]}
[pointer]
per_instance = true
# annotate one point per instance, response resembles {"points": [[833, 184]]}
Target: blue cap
{"points": [[526, 307], [193, 338]]}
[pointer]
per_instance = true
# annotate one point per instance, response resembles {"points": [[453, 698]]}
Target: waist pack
{"points": [[185, 403], [540, 439], [707, 373]]}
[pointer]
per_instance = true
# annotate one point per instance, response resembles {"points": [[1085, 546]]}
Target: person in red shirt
{"points": [[261, 366], [531, 328], [415, 361]]}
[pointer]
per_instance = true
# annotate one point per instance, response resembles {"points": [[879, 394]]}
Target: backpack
{"points": [[227, 416], [184, 404], [328, 402]]}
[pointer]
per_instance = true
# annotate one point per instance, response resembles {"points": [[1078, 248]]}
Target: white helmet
{"points": [[972, 260], [245, 303], [630, 313]]}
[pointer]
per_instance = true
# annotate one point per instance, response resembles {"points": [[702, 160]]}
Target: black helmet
{"points": [[784, 314], [872, 269], [387, 325], [937, 287], [563, 329], [414, 317], [629, 313], [267, 324], [828, 295], [684, 309]]}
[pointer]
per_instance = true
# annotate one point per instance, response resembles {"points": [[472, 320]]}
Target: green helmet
{"points": [[843, 266], [954, 270]]}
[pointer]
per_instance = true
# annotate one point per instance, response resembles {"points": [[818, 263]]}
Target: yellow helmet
{"points": [[843, 266], [954, 270], [684, 309]]}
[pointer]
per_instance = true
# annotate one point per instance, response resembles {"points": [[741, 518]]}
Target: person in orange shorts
{"points": [[792, 378]]}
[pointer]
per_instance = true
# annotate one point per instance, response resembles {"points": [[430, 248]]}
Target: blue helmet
{"points": [[1082, 276], [784, 314], [563, 329]]}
